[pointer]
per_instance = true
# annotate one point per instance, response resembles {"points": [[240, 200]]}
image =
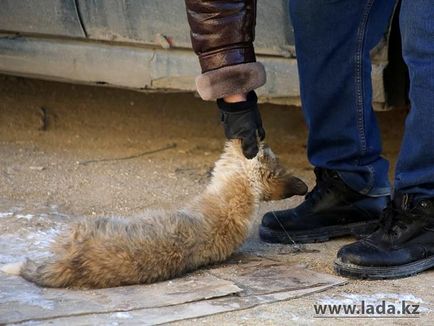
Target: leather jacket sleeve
{"points": [[222, 35]]}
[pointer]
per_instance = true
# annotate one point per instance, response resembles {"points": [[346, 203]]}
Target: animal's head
{"points": [[270, 179]]}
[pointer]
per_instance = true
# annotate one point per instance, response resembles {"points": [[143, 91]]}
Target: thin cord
{"points": [[296, 245]]}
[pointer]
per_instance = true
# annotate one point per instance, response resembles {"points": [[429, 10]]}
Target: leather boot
{"points": [[331, 209], [402, 246]]}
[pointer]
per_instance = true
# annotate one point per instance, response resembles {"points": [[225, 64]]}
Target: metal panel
{"points": [[125, 66], [151, 22], [51, 17], [141, 68]]}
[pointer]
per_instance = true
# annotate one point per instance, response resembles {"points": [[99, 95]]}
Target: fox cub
{"points": [[109, 251]]}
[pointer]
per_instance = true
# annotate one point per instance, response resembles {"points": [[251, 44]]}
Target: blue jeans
{"points": [[333, 39]]}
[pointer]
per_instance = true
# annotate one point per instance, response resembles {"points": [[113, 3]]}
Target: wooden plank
{"points": [[254, 281], [21, 301]]}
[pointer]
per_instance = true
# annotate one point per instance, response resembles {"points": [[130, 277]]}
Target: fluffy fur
{"points": [[241, 78], [107, 251]]}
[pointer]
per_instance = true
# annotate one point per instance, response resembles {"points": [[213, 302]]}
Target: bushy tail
{"points": [[47, 273], [13, 268]]}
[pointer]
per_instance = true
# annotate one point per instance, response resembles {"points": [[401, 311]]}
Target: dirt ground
{"points": [[85, 151]]}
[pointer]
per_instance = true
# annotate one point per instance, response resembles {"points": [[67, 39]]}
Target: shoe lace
{"points": [[395, 218], [323, 185]]}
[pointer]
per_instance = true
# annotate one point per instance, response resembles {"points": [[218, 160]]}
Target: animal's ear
{"points": [[294, 186]]}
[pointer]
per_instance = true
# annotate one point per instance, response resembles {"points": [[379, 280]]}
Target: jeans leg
{"points": [[333, 39], [415, 166]]}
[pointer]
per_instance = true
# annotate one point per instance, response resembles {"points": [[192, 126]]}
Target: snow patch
{"points": [[122, 315], [43, 238], [5, 214], [34, 245], [33, 298], [28, 217]]}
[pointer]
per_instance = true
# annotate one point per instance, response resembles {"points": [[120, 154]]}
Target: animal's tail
{"points": [[48, 273], [13, 268]]}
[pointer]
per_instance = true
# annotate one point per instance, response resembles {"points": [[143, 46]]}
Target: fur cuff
{"points": [[241, 78]]}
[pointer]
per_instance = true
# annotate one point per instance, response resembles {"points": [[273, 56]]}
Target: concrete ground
{"points": [[83, 151]]}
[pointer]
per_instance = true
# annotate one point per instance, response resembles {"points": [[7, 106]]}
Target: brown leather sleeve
{"points": [[222, 35], [222, 31]]}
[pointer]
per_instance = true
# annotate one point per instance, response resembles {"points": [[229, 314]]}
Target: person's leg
{"points": [[415, 166], [404, 245], [333, 39]]}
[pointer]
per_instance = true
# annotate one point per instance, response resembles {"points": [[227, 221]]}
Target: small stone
{"points": [[37, 168]]}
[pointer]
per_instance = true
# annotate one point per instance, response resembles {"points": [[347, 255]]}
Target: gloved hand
{"points": [[242, 120]]}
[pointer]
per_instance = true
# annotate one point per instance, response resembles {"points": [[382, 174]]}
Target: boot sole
{"points": [[359, 230], [382, 273]]}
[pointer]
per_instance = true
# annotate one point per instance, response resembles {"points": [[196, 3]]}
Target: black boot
{"points": [[330, 210], [402, 246]]}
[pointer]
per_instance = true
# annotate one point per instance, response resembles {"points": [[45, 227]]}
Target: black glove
{"points": [[242, 120]]}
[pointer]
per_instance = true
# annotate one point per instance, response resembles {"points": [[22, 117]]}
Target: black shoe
{"points": [[330, 210], [402, 246]]}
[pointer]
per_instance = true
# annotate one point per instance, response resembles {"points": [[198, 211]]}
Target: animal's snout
{"points": [[294, 186]]}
